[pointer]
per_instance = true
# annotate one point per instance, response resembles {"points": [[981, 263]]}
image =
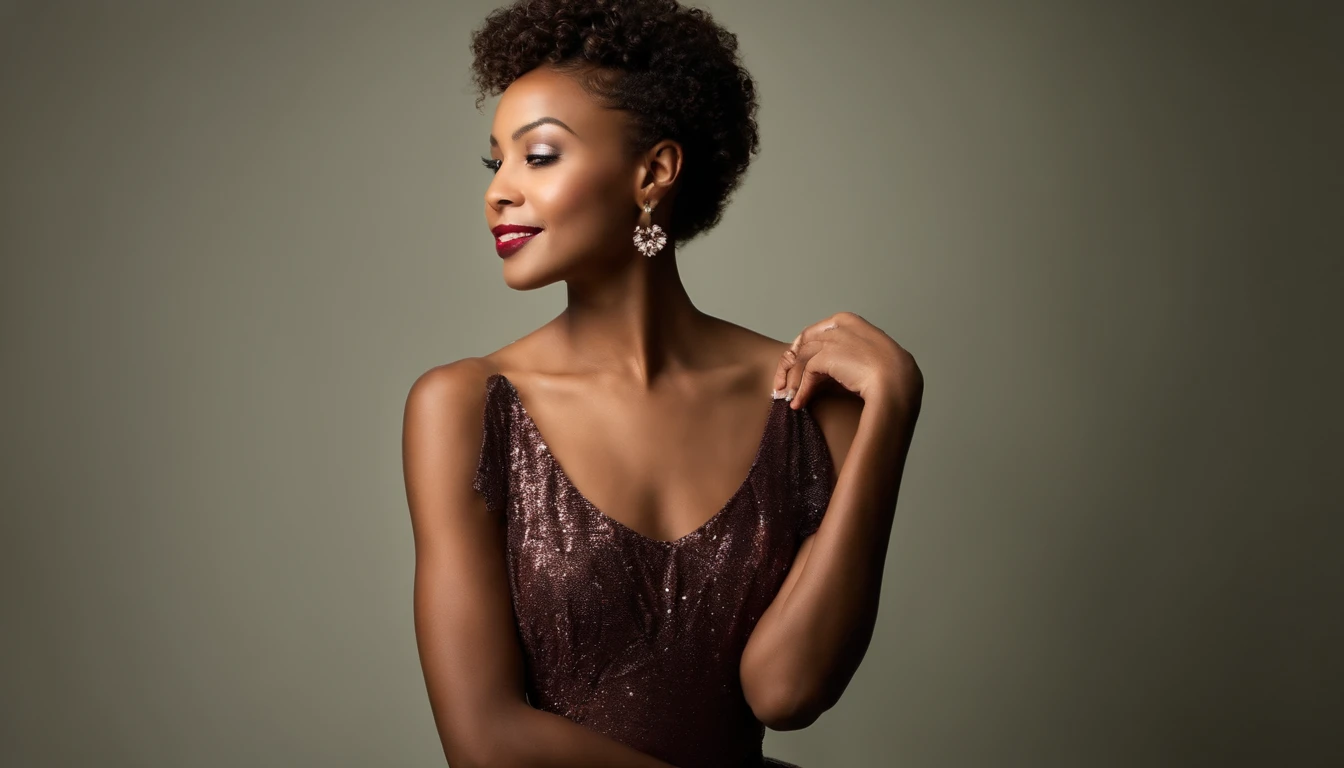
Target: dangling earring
{"points": [[649, 239]]}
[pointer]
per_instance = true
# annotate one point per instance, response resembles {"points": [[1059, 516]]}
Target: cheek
{"points": [[582, 206]]}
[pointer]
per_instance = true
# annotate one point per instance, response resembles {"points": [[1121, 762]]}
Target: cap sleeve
{"points": [[492, 466], [814, 471]]}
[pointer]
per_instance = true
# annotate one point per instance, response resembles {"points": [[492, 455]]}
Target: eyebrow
{"points": [[535, 123]]}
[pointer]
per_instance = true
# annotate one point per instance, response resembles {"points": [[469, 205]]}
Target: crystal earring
{"points": [[649, 239]]}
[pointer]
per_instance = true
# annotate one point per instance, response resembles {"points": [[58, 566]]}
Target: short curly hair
{"points": [[671, 67]]}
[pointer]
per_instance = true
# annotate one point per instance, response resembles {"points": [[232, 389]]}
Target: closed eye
{"points": [[533, 161]]}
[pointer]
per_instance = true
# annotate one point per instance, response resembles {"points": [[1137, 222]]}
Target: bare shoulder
{"points": [[441, 436], [449, 391], [461, 383], [763, 351]]}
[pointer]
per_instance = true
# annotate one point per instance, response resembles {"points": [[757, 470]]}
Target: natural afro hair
{"points": [[672, 68]]}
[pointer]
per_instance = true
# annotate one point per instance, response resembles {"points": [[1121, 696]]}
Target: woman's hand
{"points": [[853, 353]]}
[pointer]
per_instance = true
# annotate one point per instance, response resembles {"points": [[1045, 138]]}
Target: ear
{"points": [[659, 170]]}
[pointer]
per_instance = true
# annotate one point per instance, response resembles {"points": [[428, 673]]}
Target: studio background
{"points": [[234, 233]]}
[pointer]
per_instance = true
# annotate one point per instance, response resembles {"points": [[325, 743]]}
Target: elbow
{"points": [[780, 699], [793, 719], [788, 711]]}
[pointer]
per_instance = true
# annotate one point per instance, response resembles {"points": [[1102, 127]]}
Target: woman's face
{"points": [[561, 166]]}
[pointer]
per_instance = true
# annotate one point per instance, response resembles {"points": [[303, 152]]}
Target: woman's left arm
{"points": [[809, 642]]}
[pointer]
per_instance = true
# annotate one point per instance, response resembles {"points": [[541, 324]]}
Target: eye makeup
{"points": [[533, 159]]}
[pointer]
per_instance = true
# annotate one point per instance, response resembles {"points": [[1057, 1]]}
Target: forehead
{"points": [[544, 92]]}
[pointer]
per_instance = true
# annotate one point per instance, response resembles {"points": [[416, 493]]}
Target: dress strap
{"points": [[813, 470], [492, 466]]}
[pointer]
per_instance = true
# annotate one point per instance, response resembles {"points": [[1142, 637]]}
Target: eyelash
{"points": [[493, 165]]}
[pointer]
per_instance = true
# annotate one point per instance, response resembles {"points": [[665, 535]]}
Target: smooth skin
{"points": [[655, 410]]}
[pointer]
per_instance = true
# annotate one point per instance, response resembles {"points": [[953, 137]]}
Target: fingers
{"points": [[792, 366], [797, 354], [817, 330], [786, 361], [811, 375]]}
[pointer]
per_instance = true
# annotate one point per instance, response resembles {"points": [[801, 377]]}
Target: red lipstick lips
{"points": [[517, 237]]}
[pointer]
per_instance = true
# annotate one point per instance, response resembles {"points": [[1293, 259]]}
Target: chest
{"points": [[663, 485], [583, 580]]}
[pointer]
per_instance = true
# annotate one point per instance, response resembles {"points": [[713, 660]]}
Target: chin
{"points": [[520, 275]]}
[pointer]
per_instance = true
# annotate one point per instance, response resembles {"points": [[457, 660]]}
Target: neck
{"points": [[638, 321]]}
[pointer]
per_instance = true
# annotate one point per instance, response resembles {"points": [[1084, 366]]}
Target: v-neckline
{"points": [[531, 425]]}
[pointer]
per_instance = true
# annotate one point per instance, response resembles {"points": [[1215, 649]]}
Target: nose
{"points": [[501, 192]]}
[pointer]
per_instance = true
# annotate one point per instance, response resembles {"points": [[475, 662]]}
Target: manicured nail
{"points": [[789, 395]]}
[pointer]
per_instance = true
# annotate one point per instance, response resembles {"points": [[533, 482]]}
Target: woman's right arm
{"points": [[464, 625]]}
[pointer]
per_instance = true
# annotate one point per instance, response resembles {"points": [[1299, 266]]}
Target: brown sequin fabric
{"points": [[634, 637]]}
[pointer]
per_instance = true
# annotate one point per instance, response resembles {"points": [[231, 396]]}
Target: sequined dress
{"points": [[634, 637]]}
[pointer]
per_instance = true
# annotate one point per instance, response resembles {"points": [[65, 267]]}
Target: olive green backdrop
{"points": [[234, 233]]}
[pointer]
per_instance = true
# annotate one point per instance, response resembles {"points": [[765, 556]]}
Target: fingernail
{"points": [[789, 395], [776, 394]]}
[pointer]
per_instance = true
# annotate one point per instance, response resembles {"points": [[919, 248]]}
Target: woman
{"points": [[642, 620]]}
